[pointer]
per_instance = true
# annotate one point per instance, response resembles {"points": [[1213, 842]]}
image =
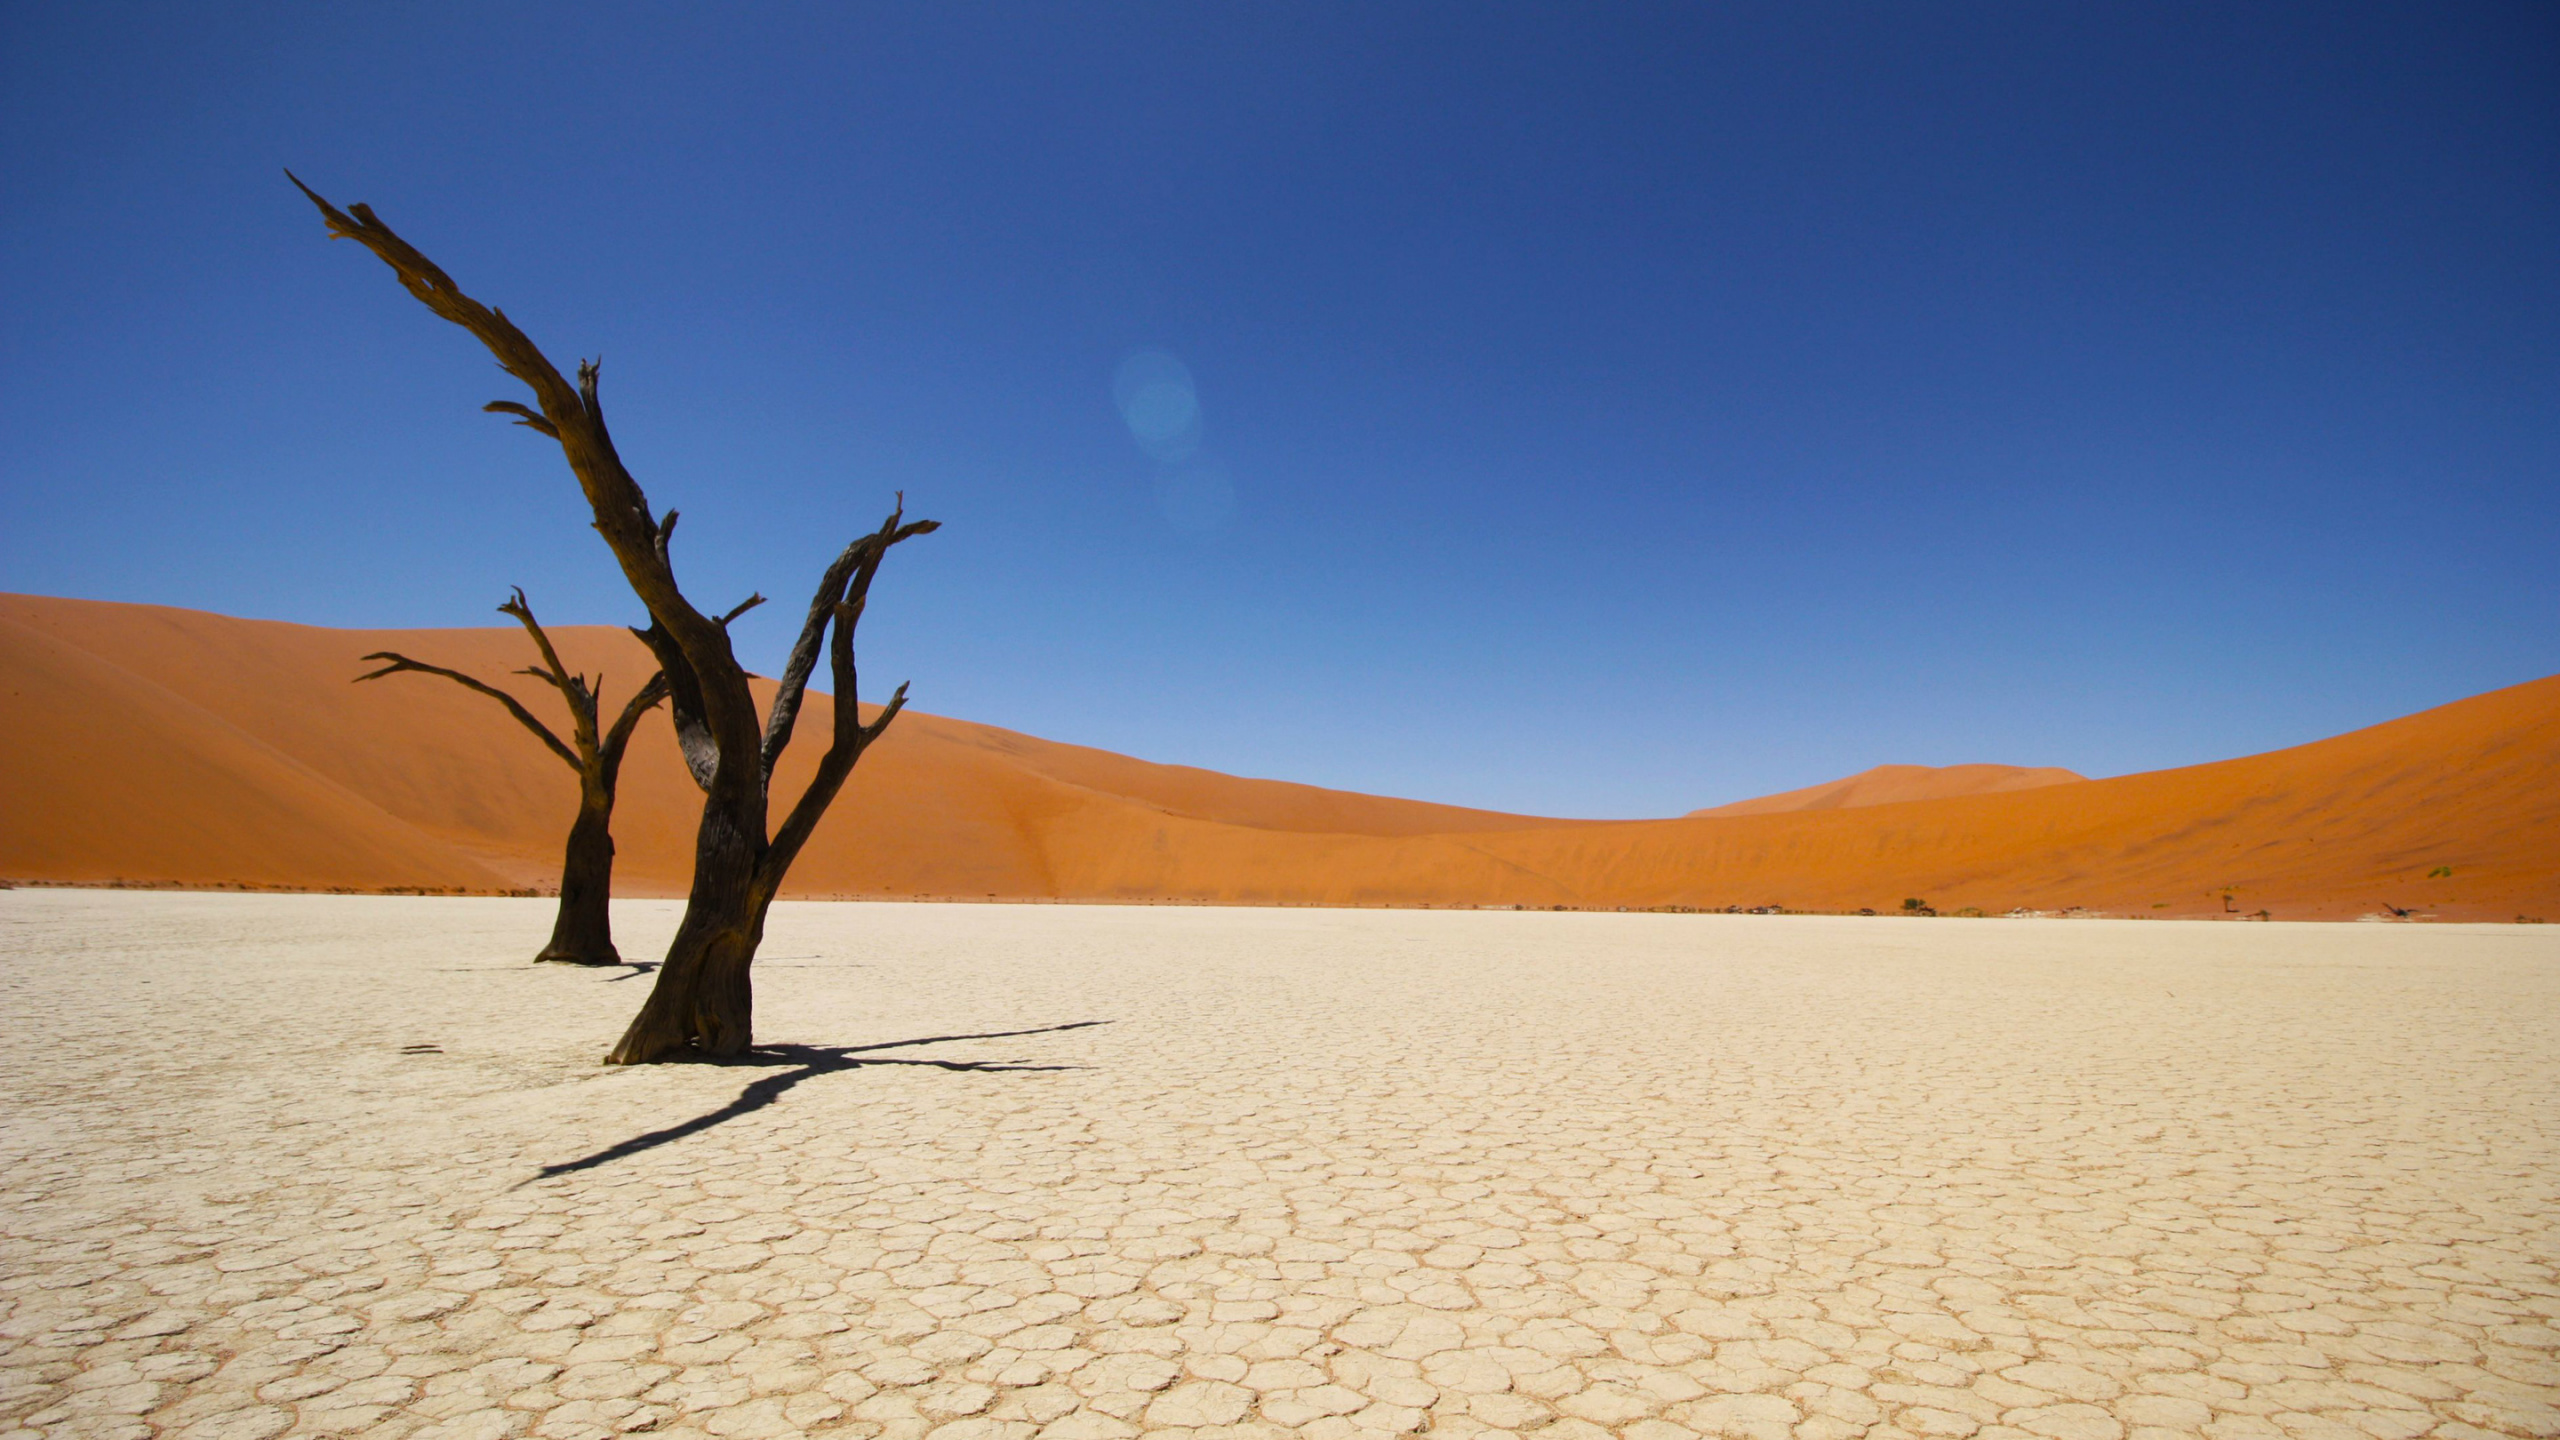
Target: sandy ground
{"points": [[1324, 1171]]}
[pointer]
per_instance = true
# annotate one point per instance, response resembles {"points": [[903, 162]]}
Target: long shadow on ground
{"points": [[808, 1062]]}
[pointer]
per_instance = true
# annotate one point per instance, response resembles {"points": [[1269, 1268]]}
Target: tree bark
{"points": [[704, 1000], [583, 933]]}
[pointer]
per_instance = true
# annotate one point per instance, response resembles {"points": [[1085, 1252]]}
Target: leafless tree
{"points": [[583, 933], [703, 1001]]}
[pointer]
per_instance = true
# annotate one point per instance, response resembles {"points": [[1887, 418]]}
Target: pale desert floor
{"points": [[1332, 1172]]}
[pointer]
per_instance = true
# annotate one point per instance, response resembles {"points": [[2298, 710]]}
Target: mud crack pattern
{"points": [[347, 1166]]}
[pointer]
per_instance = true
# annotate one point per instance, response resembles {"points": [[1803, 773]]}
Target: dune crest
{"points": [[165, 746], [1894, 784]]}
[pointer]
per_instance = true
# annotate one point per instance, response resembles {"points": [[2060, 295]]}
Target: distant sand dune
{"points": [[158, 745], [1893, 784]]}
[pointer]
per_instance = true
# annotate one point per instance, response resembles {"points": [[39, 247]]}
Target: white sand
{"points": [[1332, 1171]]}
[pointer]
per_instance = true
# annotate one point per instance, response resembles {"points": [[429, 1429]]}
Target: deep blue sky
{"points": [[1608, 410]]}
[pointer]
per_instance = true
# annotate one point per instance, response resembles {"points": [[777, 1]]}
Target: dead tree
{"points": [[703, 1003], [583, 933]]}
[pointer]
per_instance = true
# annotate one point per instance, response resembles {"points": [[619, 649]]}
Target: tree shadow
{"points": [[807, 1062]]}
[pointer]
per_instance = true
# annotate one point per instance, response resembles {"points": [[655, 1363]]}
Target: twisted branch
{"points": [[396, 662], [575, 418]]}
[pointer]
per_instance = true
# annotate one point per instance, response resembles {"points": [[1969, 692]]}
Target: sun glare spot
{"points": [[1159, 404]]}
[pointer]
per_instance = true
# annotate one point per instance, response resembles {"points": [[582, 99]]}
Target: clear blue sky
{"points": [[1599, 410]]}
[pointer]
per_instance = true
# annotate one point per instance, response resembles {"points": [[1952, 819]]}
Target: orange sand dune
{"points": [[169, 746], [1893, 784], [940, 806]]}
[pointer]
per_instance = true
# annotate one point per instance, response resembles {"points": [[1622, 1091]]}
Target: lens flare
{"points": [[1159, 404]]}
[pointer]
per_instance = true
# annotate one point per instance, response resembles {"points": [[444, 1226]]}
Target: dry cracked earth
{"points": [[348, 1166]]}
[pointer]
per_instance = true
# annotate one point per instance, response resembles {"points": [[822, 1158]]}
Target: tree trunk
{"points": [[703, 1003], [583, 934]]}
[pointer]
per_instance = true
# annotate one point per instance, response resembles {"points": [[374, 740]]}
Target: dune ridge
{"points": [[1893, 784], [156, 745]]}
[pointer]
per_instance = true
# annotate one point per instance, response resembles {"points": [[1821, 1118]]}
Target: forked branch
{"points": [[395, 663], [842, 595], [619, 737], [574, 689], [584, 744]]}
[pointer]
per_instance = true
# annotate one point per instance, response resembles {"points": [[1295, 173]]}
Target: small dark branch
{"points": [[582, 700], [619, 737], [888, 712], [526, 416], [589, 371], [546, 677], [741, 608], [665, 532], [395, 663]]}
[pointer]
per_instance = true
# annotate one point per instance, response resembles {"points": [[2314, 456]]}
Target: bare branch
{"points": [[862, 559], [617, 498], [658, 539], [581, 700], [589, 371], [850, 574], [619, 737], [531, 420], [741, 608], [576, 417], [396, 663], [888, 712], [804, 653]]}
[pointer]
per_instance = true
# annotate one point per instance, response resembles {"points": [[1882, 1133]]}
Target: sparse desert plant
{"points": [[582, 934], [703, 1001], [2441, 872], [1914, 905]]}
